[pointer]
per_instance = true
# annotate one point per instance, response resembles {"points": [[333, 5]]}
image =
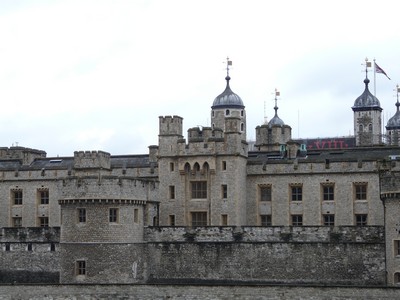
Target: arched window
{"points": [[206, 167], [241, 127], [227, 112], [196, 167], [370, 127], [360, 128], [187, 168]]}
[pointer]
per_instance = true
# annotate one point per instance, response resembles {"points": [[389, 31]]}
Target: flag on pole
{"points": [[229, 63], [378, 69]]}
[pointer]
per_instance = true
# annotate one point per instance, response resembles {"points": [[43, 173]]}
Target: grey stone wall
{"points": [[267, 263], [29, 255], [184, 292]]}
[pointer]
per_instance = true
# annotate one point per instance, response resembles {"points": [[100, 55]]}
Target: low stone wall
{"points": [[320, 234], [194, 292], [29, 255]]}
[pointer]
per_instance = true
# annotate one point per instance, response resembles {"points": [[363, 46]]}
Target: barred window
{"points": [[297, 220], [266, 220], [199, 189], [224, 191], [44, 221], [360, 191], [329, 220], [44, 196], [297, 193], [199, 218], [265, 193], [17, 197], [80, 267], [113, 215], [361, 220], [328, 193], [81, 215]]}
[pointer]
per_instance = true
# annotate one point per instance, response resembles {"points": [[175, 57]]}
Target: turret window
{"points": [[242, 113], [227, 112], [241, 127], [370, 127]]}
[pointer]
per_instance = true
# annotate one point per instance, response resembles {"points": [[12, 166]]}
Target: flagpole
{"points": [[374, 78]]}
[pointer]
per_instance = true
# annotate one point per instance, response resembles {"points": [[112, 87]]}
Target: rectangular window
{"points": [[171, 192], [224, 220], [17, 197], [171, 166], [328, 192], [199, 219], [224, 165], [81, 215], [361, 220], [44, 197], [297, 220], [136, 215], [266, 220], [80, 267], [360, 191], [297, 193], [8, 247], [29, 248], [199, 189], [396, 244], [224, 191], [265, 193], [17, 222], [171, 220], [113, 215], [44, 221], [329, 220]]}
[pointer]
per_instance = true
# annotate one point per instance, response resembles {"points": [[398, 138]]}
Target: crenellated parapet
{"points": [[171, 125], [92, 160], [26, 155]]}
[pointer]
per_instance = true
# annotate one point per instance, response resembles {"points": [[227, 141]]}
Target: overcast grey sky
{"points": [[96, 75]]}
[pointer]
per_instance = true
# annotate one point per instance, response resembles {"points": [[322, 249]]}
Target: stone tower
{"points": [[227, 105], [393, 125], [201, 182], [274, 135], [367, 118], [390, 195], [102, 221]]}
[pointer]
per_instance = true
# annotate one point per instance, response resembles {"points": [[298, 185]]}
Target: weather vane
{"points": [[367, 65], [228, 63]]}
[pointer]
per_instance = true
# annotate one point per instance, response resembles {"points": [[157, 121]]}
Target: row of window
{"points": [[42, 196], [113, 215], [41, 221], [327, 220], [29, 247], [196, 166], [200, 219], [327, 192], [199, 191]]}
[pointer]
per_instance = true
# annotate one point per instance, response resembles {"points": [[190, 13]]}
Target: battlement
{"points": [[92, 160], [171, 125], [26, 155]]}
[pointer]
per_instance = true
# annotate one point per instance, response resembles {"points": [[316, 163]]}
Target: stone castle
{"points": [[208, 209]]}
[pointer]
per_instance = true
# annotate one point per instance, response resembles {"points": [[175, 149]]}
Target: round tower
{"points": [[393, 125], [367, 117], [227, 105]]}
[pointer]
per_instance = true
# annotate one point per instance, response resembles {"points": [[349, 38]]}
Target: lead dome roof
{"points": [[394, 122], [227, 98], [366, 100]]}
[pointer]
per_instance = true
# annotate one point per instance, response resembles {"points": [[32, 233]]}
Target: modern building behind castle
{"points": [[329, 214]]}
